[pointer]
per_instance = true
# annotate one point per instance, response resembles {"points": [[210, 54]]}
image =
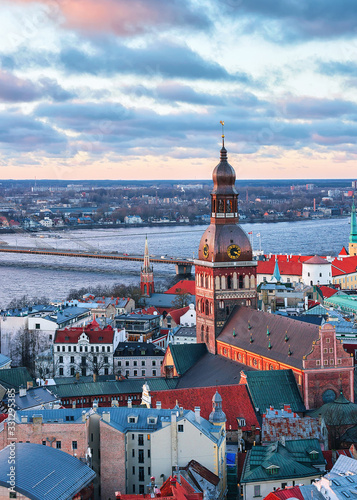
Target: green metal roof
{"points": [[285, 460], [128, 386], [186, 355], [338, 412], [274, 388], [15, 377], [344, 302]]}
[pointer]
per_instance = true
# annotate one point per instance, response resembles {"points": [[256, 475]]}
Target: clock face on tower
{"points": [[233, 251], [205, 251]]}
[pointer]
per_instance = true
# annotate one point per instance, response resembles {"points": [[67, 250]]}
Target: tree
{"points": [[25, 346], [182, 299]]}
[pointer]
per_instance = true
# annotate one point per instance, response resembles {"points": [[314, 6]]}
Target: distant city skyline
{"points": [[136, 90]]}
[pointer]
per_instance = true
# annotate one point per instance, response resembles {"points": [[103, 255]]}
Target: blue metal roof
{"points": [[44, 473], [61, 415], [34, 397]]}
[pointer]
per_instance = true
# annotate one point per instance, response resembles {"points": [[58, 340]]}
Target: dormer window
{"points": [[152, 420], [273, 469], [314, 454], [132, 419]]}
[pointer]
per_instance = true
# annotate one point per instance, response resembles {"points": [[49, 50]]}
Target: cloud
{"points": [[294, 20], [124, 18], [14, 89], [312, 108], [108, 57], [173, 92], [333, 68], [23, 133]]}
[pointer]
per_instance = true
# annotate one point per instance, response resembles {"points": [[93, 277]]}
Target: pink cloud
{"points": [[123, 17]]}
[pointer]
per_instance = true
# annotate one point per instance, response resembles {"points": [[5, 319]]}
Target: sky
{"points": [[136, 89]]}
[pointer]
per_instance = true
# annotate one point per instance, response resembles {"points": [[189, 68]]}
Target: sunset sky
{"points": [[135, 89]]}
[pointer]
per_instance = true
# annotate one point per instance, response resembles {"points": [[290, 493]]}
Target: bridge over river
{"points": [[182, 266]]}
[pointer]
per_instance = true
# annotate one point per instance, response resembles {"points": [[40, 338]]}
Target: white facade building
{"points": [[316, 271]]}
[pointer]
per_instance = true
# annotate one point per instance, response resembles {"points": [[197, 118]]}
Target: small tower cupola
{"points": [[217, 416]]}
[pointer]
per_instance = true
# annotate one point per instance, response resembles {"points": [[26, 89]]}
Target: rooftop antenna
{"points": [[222, 123]]}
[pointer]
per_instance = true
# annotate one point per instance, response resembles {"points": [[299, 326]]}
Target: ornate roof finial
{"points": [[268, 333], [234, 332], [222, 123], [269, 345], [249, 326], [289, 351], [286, 338]]}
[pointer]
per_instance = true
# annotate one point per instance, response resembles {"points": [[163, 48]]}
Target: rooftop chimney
{"points": [[198, 414], [130, 404], [83, 416], [158, 405], [106, 416], [22, 392]]}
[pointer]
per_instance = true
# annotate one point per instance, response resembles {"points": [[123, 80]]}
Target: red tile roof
{"points": [[236, 402], [317, 260], [288, 264], [177, 313], [343, 251], [347, 265], [290, 492], [183, 286], [92, 330], [327, 291]]}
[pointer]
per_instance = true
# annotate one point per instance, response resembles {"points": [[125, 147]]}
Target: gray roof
{"points": [[212, 370], [185, 331], [61, 415], [34, 397], [119, 419], [163, 300], [63, 316], [251, 324], [344, 464], [138, 349], [44, 473], [126, 386]]}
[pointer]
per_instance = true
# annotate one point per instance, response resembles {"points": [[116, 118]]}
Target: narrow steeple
{"points": [[147, 273], [352, 248], [276, 274], [146, 267]]}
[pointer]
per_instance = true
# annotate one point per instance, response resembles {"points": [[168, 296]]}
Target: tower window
{"points": [[240, 281], [202, 333], [229, 282], [207, 334]]}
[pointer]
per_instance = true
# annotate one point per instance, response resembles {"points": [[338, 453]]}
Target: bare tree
{"points": [[182, 299], [25, 346]]}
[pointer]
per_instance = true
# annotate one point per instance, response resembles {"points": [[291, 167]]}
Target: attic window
{"points": [[132, 419], [314, 455], [152, 420], [100, 338], [241, 422], [143, 352], [273, 470]]}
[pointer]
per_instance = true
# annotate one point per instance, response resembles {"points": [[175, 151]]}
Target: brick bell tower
{"points": [[225, 270], [147, 274]]}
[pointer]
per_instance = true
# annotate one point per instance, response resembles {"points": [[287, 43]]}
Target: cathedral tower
{"points": [[225, 270], [147, 274], [352, 247]]}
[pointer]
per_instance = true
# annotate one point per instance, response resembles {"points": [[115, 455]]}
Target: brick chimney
{"points": [[158, 405]]}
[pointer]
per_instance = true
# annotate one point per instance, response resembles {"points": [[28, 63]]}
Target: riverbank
{"points": [[93, 226]]}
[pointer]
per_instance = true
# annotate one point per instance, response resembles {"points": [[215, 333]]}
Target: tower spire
{"points": [[222, 123], [352, 248], [147, 273]]}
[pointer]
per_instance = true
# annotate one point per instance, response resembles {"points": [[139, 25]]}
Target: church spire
{"points": [[276, 274], [147, 273], [353, 233]]}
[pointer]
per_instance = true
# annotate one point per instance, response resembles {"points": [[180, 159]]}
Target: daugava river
{"points": [[40, 275]]}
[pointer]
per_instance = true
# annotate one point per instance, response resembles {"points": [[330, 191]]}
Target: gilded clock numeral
{"points": [[205, 251]]}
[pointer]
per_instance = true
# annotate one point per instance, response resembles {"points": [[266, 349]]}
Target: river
{"points": [[39, 275]]}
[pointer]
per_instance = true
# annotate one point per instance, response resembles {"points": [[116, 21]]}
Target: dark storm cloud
{"points": [[293, 20], [14, 89]]}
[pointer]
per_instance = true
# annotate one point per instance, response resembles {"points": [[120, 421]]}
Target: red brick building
{"points": [[228, 323], [225, 270]]}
